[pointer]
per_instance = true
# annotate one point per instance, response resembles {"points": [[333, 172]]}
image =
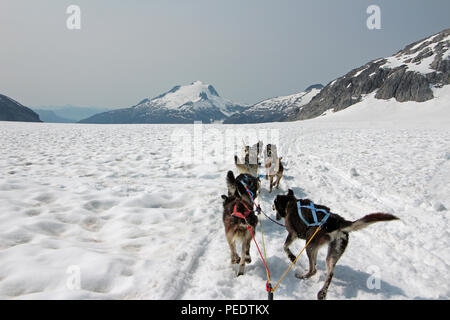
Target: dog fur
{"points": [[235, 227], [237, 189], [335, 232], [246, 167], [252, 153], [273, 165]]}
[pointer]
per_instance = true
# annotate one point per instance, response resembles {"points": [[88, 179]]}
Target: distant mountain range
{"points": [[11, 110], [409, 75], [67, 113], [51, 116], [201, 102]]}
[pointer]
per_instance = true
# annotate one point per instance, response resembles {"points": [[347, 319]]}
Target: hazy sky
{"points": [[249, 50]]}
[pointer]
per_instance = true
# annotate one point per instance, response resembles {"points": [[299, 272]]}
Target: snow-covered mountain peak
{"points": [[188, 94], [196, 101]]}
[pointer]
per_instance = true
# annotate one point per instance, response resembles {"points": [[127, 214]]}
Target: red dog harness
{"points": [[238, 214]]}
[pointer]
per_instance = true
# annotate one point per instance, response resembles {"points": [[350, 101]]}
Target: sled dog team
{"points": [[302, 217]]}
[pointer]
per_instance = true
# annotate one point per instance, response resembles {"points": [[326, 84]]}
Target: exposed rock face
{"points": [[11, 110], [409, 75]]}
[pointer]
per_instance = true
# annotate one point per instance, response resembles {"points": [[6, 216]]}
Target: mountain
{"points": [[51, 116], [408, 75], [182, 104], [11, 110], [67, 113], [275, 109]]}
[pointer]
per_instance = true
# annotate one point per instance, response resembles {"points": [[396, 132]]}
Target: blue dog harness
{"points": [[314, 214], [244, 183]]}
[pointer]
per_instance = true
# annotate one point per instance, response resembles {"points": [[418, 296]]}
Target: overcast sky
{"points": [[249, 50]]}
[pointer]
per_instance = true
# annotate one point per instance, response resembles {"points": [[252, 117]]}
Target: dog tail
{"points": [[231, 183], [368, 220]]}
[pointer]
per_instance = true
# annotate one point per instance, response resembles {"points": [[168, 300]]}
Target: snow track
{"points": [[141, 224]]}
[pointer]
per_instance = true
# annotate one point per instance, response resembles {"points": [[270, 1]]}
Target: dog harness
{"points": [[247, 188], [252, 196], [314, 214], [238, 214]]}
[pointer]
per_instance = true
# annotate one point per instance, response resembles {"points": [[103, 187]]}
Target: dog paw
{"points": [[248, 260], [240, 271], [301, 276], [322, 295], [236, 260], [305, 276]]}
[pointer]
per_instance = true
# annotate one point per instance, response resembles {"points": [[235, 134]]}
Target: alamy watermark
{"points": [[73, 22], [73, 281], [211, 145], [374, 280], [374, 20]]}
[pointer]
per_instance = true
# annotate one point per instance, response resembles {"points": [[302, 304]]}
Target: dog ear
{"points": [[280, 204], [230, 177], [290, 192], [231, 183], [225, 199]]}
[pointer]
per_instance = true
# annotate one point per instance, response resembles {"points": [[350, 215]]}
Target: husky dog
{"points": [[238, 216], [252, 153], [244, 186], [236, 228], [251, 159], [246, 167], [335, 232], [273, 165]]}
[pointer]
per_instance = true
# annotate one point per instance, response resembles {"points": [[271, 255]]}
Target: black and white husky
{"points": [[334, 232]]}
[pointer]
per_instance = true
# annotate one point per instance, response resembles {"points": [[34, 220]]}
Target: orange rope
{"points": [[285, 273]]}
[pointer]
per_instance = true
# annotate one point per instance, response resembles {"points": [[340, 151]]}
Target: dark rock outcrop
{"points": [[11, 110], [409, 75]]}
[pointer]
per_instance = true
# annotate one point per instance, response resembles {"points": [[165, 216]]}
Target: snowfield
{"points": [[108, 211]]}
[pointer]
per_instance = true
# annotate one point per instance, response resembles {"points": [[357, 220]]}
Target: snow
{"points": [[360, 71], [423, 66], [333, 82], [114, 207], [429, 39], [370, 109]]}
